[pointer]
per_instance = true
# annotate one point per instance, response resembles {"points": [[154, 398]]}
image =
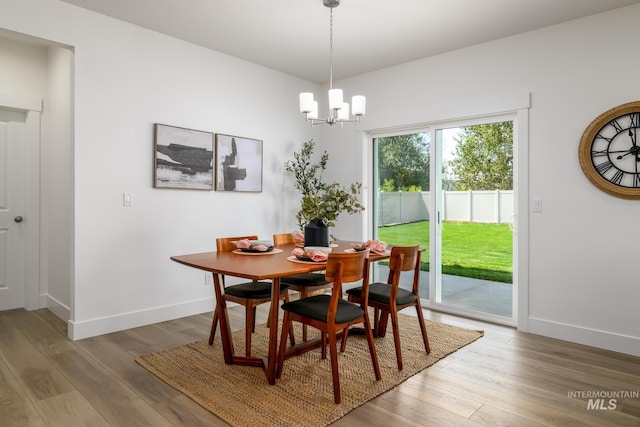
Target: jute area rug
{"points": [[303, 396]]}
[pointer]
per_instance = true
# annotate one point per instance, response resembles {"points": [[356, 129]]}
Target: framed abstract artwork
{"points": [[183, 158], [238, 163]]}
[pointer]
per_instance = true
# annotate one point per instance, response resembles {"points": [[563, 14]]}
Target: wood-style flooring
{"points": [[506, 378]]}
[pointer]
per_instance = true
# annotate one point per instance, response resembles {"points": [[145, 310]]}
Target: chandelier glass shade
{"points": [[338, 109]]}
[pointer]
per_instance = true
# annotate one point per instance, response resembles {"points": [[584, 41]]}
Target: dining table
{"points": [[256, 266]]}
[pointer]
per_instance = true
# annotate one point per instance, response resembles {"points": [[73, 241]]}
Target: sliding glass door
{"points": [[453, 194]]}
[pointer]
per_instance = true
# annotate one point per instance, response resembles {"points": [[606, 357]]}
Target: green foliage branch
{"points": [[320, 200]]}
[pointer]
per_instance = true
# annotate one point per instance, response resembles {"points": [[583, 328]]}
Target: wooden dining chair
{"points": [[388, 299], [248, 294], [307, 284], [331, 313]]}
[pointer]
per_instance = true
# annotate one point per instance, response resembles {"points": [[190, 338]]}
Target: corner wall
{"points": [[583, 282]]}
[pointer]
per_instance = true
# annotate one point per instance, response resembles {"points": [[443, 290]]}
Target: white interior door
{"points": [[12, 204]]}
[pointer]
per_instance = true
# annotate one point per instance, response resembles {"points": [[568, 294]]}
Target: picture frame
{"points": [[238, 163], [183, 158]]}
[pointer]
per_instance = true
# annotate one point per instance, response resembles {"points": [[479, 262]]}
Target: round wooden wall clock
{"points": [[609, 151]]}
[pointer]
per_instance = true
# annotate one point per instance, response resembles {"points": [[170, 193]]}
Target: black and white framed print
{"points": [[238, 163], [183, 158]]}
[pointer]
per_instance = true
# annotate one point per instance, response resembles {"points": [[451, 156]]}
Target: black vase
{"points": [[316, 233]]}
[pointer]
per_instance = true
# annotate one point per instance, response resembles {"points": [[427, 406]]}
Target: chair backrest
{"points": [[223, 244], [405, 262], [282, 239], [346, 268], [404, 258]]}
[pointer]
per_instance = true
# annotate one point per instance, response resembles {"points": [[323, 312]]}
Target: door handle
{"points": [[18, 219]]}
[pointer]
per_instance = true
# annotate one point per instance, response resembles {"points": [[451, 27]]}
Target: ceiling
{"points": [[292, 36]]}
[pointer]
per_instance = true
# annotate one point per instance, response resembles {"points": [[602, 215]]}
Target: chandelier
{"points": [[338, 109]]}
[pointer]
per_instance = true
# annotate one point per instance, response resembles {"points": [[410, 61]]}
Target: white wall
{"points": [[57, 185], [126, 79], [23, 66], [583, 283]]}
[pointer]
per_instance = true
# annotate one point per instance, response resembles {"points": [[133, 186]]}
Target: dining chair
{"points": [[388, 298], [330, 313], [307, 284], [248, 294]]}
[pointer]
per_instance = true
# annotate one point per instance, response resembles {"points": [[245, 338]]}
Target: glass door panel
{"points": [[474, 244], [402, 211]]}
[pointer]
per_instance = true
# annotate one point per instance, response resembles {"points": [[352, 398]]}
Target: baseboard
{"points": [[581, 335], [78, 330], [57, 308]]}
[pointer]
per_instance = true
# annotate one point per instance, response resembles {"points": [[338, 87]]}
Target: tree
{"points": [[484, 157], [403, 162]]}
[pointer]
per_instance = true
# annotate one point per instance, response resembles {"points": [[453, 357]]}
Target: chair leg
{"points": [[396, 336], [423, 328], [323, 343], [285, 298], [286, 328], [376, 321], [248, 330], [304, 293], [382, 324], [333, 350], [253, 319], [372, 348], [343, 343], [292, 338], [214, 324]]}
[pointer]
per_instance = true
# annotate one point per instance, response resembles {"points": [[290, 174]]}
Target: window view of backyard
{"points": [[480, 251], [473, 196]]}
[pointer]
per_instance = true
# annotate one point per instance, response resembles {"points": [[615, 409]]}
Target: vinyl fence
{"points": [[469, 206]]}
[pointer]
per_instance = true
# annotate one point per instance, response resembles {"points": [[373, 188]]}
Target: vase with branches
{"points": [[321, 201]]}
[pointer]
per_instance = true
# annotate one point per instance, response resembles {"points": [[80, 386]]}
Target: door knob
{"points": [[18, 219]]}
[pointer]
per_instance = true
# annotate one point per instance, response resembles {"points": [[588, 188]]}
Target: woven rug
{"points": [[303, 396]]}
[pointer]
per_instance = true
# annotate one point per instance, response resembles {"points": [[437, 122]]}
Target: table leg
{"points": [[223, 320], [274, 313]]}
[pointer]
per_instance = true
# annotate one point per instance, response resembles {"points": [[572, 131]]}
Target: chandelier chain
{"points": [[331, 47]]}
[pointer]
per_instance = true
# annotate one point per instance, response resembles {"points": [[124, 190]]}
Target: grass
{"points": [[481, 251]]}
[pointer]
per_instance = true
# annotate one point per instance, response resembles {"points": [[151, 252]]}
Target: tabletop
{"points": [[257, 267]]}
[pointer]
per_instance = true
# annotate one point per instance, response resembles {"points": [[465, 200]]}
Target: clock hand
{"points": [[624, 155], [633, 136], [612, 151]]}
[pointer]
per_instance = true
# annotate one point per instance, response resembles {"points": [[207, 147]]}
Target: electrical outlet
{"points": [[208, 278]]}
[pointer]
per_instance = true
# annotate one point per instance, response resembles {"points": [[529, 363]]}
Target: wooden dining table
{"points": [[271, 266]]}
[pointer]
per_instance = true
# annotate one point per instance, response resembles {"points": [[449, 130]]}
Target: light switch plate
{"points": [[537, 205]]}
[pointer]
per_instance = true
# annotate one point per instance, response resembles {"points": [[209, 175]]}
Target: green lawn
{"points": [[482, 251]]}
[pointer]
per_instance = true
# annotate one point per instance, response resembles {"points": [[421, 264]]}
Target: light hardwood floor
{"points": [[505, 378]]}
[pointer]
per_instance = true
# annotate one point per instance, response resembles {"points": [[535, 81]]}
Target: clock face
{"points": [[609, 151]]}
